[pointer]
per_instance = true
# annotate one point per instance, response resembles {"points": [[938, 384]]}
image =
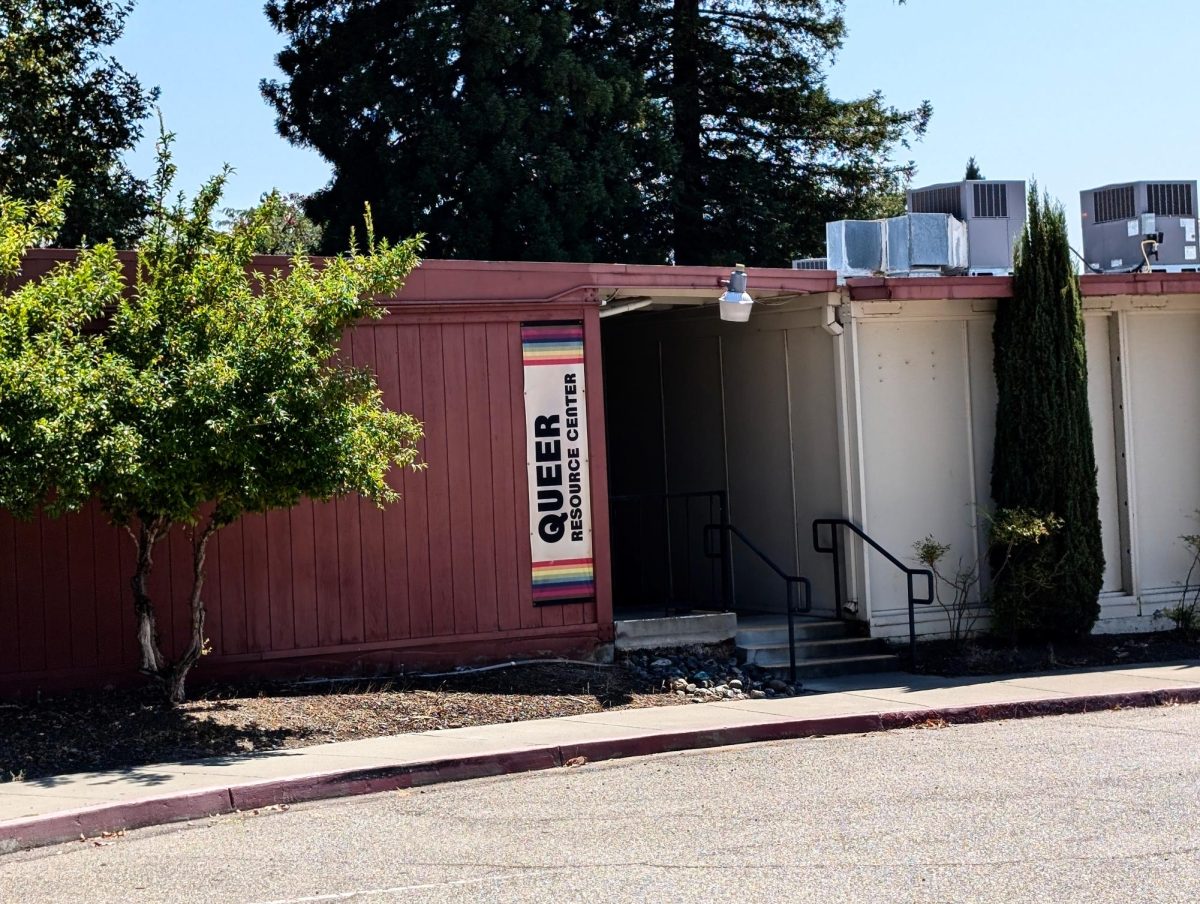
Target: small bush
{"points": [[1186, 613], [1010, 532]]}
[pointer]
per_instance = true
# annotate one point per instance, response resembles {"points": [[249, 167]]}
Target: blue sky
{"points": [[1078, 93]]}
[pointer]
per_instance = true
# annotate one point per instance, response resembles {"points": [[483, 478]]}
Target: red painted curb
{"points": [[353, 782], [36, 831]]}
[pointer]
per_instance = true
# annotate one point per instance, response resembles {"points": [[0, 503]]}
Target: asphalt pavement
{"points": [[1101, 807]]}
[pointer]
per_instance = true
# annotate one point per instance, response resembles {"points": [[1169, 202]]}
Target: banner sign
{"points": [[556, 446]]}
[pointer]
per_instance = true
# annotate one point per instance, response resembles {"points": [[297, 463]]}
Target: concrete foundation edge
{"points": [[94, 821]]}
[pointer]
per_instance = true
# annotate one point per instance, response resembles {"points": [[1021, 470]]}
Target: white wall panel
{"points": [[919, 465], [1100, 405], [815, 450], [759, 449], [983, 422], [1164, 387]]}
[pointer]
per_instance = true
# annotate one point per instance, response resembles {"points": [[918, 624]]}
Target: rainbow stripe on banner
{"points": [[552, 344], [563, 579]]}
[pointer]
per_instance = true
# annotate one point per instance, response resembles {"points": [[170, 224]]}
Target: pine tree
{"points": [[1044, 460], [765, 155], [637, 130], [499, 128], [973, 171]]}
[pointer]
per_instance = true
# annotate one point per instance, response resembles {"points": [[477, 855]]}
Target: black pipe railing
{"points": [[834, 550], [791, 581]]}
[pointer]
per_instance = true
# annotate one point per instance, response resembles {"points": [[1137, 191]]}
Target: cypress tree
{"points": [[1044, 460]]}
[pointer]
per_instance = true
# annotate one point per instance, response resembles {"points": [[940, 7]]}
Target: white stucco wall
{"points": [[891, 425], [923, 453], [1163, 349], [925, 394]]}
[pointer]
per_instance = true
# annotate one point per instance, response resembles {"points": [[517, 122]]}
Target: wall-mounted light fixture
{"points": [[735, 303]]}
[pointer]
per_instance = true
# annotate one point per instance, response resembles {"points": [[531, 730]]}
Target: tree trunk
{"points": [[147, 535], [688, 216], [175, 681]]}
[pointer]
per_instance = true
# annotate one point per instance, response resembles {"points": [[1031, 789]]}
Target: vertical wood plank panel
{"points": [[416, 487], [107, 564], [279, 580], [374, 579], [530, 617], [458, 469], [370, 516], [350, 568], [258, 590], [233, 589], [126, 560], [393, 535], [179, 551], [81, 577], [56, 588], [214, 603], [452, 557], [329, 603], [31, 616], [504, 423], [441, 577], [304, 575], [479, 416], [10, 647], [158, 585]]}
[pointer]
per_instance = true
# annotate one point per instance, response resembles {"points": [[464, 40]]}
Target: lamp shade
{"points": [[735, 306], [735, 303]]}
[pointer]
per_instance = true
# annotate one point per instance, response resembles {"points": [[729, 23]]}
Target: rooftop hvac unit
{"points": [[994, 214], [1128, 224], [925, 244], [855, 247], [810, 263], [916, 244]]}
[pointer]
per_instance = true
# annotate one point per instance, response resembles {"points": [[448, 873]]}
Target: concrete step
{"points": [[849, 665], [759, 632], [660, 632], [773, 654]]}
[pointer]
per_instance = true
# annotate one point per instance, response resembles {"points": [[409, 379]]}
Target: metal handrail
{"points": [[834, 549], [790, 581]]}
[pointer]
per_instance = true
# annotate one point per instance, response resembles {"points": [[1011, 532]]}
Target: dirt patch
{"points": [[100, 730], [991, 656]]}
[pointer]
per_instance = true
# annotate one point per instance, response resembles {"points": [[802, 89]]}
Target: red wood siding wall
{"points": [[442, 576]]}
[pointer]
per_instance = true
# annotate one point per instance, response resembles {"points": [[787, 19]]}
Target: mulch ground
{"points": [[117, 729], [991, 656]]}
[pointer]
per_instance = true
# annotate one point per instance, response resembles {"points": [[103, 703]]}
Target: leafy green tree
{"points": [[284, 227], [1044, 460], [212, 389], [973, 171], [650, 131], [53, 370], [69, 111]]}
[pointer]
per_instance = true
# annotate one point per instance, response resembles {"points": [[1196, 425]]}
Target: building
{"points": [[871, 401]]}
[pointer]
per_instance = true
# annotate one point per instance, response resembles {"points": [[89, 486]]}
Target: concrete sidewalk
{"points": [[58, 808]]}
